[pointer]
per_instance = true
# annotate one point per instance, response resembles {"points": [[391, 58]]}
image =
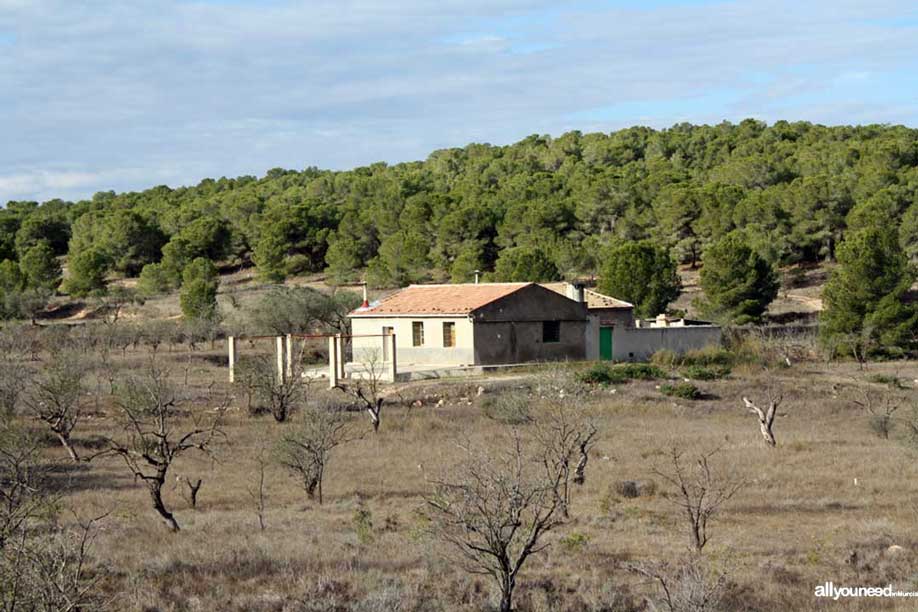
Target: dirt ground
{"points": [[833, 502]]}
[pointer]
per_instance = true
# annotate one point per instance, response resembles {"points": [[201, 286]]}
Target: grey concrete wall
{"points": [[613, 316], [631, 343], [518, 342], [532, 303]]}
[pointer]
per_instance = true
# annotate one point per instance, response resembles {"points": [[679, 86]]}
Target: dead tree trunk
{"points": [[156, 494], [193, 488], [766, 418], [68, 446]]}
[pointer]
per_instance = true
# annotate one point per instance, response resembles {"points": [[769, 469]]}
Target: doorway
{"points": [[605, 344]]}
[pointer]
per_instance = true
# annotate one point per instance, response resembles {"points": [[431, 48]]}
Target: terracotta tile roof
{"points": [[593, 299], [439, 299]]}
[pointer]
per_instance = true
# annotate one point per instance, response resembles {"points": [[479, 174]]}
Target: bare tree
{"points": [[257, 492], [305, 450], [767, 416], [566, 438], [880, 405], [687, 585], [280, 397], [152, 441], [21, 476], [365, 386], [54, 397], [51, 570], [496, 507], [700, 492], [15, 377]]}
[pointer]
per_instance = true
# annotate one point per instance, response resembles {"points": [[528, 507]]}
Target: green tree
{"points": [[12, 285], [525, 264], [153, 281], [198, 297], [738, 283], [270, 254], [40, 267], [908, 232], [86, 272], [863, 300], [640, 273]]}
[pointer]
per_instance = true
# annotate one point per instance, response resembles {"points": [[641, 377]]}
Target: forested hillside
{"points": [[551, 205]]}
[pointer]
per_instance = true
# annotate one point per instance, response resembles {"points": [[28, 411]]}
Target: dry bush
{"points": [[306, 449], [494, 508], [55, 395], [700, 491], [279, 396], [690, 584]]}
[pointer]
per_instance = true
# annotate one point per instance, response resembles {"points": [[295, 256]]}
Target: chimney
{"points": [[477, 272], [366, 302], [576, 292]]}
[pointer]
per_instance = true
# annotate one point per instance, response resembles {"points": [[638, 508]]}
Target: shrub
{"points": [[707, 356], [664, 358], [893, 382], [363, 524], [509, 408], [631, 489], [683, 389], [639, 371], [574, 541], [698, 372], [602, 374]]}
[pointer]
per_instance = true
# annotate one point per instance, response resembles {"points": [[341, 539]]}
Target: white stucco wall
{"points": [[631, 343], [431, 353]]}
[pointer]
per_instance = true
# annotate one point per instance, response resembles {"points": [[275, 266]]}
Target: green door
{"points": [[605, 343]]}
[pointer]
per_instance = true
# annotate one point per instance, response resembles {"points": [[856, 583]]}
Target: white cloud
{"points": [[130, 94]]}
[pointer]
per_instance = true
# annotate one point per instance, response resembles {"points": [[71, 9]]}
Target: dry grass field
{"points": [[827, 503]]}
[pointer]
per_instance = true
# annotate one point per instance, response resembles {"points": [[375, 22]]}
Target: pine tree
{"points": [[640, 273], [863, 300], [738, 283]]}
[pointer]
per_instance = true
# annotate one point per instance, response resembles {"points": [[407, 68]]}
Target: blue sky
{"points": [[127, 94]]}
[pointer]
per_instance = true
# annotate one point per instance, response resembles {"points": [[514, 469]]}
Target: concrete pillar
{"points": [[339, 355], [393, 369], [289, 351], [332, 362], [279, 354], [231, 349]]}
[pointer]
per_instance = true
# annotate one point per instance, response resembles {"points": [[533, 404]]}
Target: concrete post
{"points": [[289, 352], [393, 369], [279, 354], [332, 362], [339, 355], [231, 349]]}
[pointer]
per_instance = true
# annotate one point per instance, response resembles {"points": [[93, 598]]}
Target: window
{"points": [[449, 334], [417, 333], [551, 331]]}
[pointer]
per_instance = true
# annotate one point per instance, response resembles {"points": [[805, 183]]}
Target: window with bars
{"points": [[417, 333], [449, 334], [551, 331]]}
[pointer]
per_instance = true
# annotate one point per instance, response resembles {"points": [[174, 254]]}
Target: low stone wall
{"points": [[637, 344]]}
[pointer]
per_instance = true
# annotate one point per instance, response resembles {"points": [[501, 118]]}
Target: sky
{"points": [[129, 94]]}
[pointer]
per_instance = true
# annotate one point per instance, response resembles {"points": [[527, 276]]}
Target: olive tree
{"points": [[305, 449], [155, 434], [55, 395], [495, 506]]}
